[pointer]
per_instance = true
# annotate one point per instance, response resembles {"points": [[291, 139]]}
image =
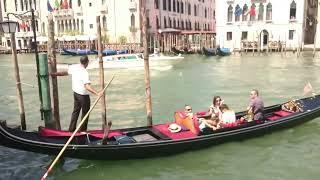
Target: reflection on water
{"points": [[194, 80]]}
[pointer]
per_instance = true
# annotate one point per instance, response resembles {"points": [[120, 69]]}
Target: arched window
{"points": [[70, 4], [170, 23], [164, 4], [174, 23], [293, 10], [178, 7], [230, 13], [133, 20], [269, 12], [156, 4], [79, 3], [252, 12], [195, 10], [104, 22], [182, 7], [169, 5], [174, 5], [245, 12], [261, 11], [26, 4], [158, 24], [165, 22], [237, 13], [189, 9]]}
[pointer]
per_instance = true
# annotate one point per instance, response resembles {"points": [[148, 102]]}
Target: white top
{"points": [[80, 77], [228, 117]]}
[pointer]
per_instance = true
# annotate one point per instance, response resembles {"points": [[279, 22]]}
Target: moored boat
{"points": [[78, 52], [223, 51], [209, 51], [156, 140]]}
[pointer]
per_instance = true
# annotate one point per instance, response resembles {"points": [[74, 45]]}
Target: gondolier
{"points": [[81, 86]]}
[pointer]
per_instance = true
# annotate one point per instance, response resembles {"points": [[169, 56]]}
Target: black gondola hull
{"points": [[11, 138]]}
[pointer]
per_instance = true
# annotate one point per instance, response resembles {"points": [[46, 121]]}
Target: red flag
{"points": [[307, 89]]}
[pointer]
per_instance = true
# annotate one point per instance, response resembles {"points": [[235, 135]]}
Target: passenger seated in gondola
{"points": [[227, 118], [187, 119], [291, 106], [256, 106]]}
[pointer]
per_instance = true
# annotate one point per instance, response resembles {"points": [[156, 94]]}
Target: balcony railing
{"points": [[63, 13]]}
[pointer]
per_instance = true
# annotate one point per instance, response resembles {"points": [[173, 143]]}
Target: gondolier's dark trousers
{"points": [[80, 102]]}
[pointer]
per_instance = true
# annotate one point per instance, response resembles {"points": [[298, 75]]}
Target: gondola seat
{"points": [[163, 128]]}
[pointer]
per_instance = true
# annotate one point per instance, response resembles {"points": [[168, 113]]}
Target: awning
{"points": [[169, 30]]}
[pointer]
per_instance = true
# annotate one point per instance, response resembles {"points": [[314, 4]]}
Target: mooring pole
{"points": [[101, 72], [146, 67], [45, 91], [53, 68], [18, 82]]}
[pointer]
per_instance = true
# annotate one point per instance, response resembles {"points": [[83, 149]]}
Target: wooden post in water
{"points": [[52, 69], [101, 72], [18, 82], [146, 67]]}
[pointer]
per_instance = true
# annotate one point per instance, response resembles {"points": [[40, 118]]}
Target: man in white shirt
{"points": [[81, 88]]}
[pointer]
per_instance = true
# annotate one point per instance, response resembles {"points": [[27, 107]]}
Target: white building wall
{"points": [[278, 28]]}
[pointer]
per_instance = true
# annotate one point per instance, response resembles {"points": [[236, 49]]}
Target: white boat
{"points": [[125, 61]]}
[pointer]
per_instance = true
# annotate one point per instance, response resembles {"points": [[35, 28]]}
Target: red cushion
{"points": [[282, 113], [273, 118], [163, 128]]}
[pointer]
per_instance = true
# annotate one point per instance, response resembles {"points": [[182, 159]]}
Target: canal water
{"points": [[292, 153]]}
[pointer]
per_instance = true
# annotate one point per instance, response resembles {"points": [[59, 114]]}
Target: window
{"points": [[79, 3], [252, 12], [156, 4], [205, 12], [16, 5], [293, 9], [182, 8], [169, 5], [291, 34], [133, 20], [70, 3], [174, 6], [91, 26], [178, 7], [165, 22], [82, 26], [104, 22], [157, 22], [261, 11], [245, 12], [195, 10], [229, 36], [237, 13], [21, 5], [5, 5], [170, 23], [26, 4], [174, 23], [189, 9], [244, 35], [90, 4], [230, 13], [269, 12], [164, 4]]}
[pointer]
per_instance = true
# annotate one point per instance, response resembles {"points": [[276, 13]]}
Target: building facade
{"points": [[265, 21], [120, 19]]}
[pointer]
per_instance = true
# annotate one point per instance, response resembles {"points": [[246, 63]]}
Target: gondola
{"points": [[156, 140], [223, 51], [184, 51], [209, 51], [78, 52]]}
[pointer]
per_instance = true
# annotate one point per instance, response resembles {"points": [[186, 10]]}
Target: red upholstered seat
{"points": [[282, 113], [47, 132], [273, 118], [163, 128]]}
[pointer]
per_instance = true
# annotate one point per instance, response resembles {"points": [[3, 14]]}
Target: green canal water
{"points": [[292, 153]]}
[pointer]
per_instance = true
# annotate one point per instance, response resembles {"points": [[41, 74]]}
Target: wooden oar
{"points": [[73, 134]]}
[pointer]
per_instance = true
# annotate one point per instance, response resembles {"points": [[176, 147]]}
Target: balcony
{"points": [[27, 14], [133, 7], [63, 13]]}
